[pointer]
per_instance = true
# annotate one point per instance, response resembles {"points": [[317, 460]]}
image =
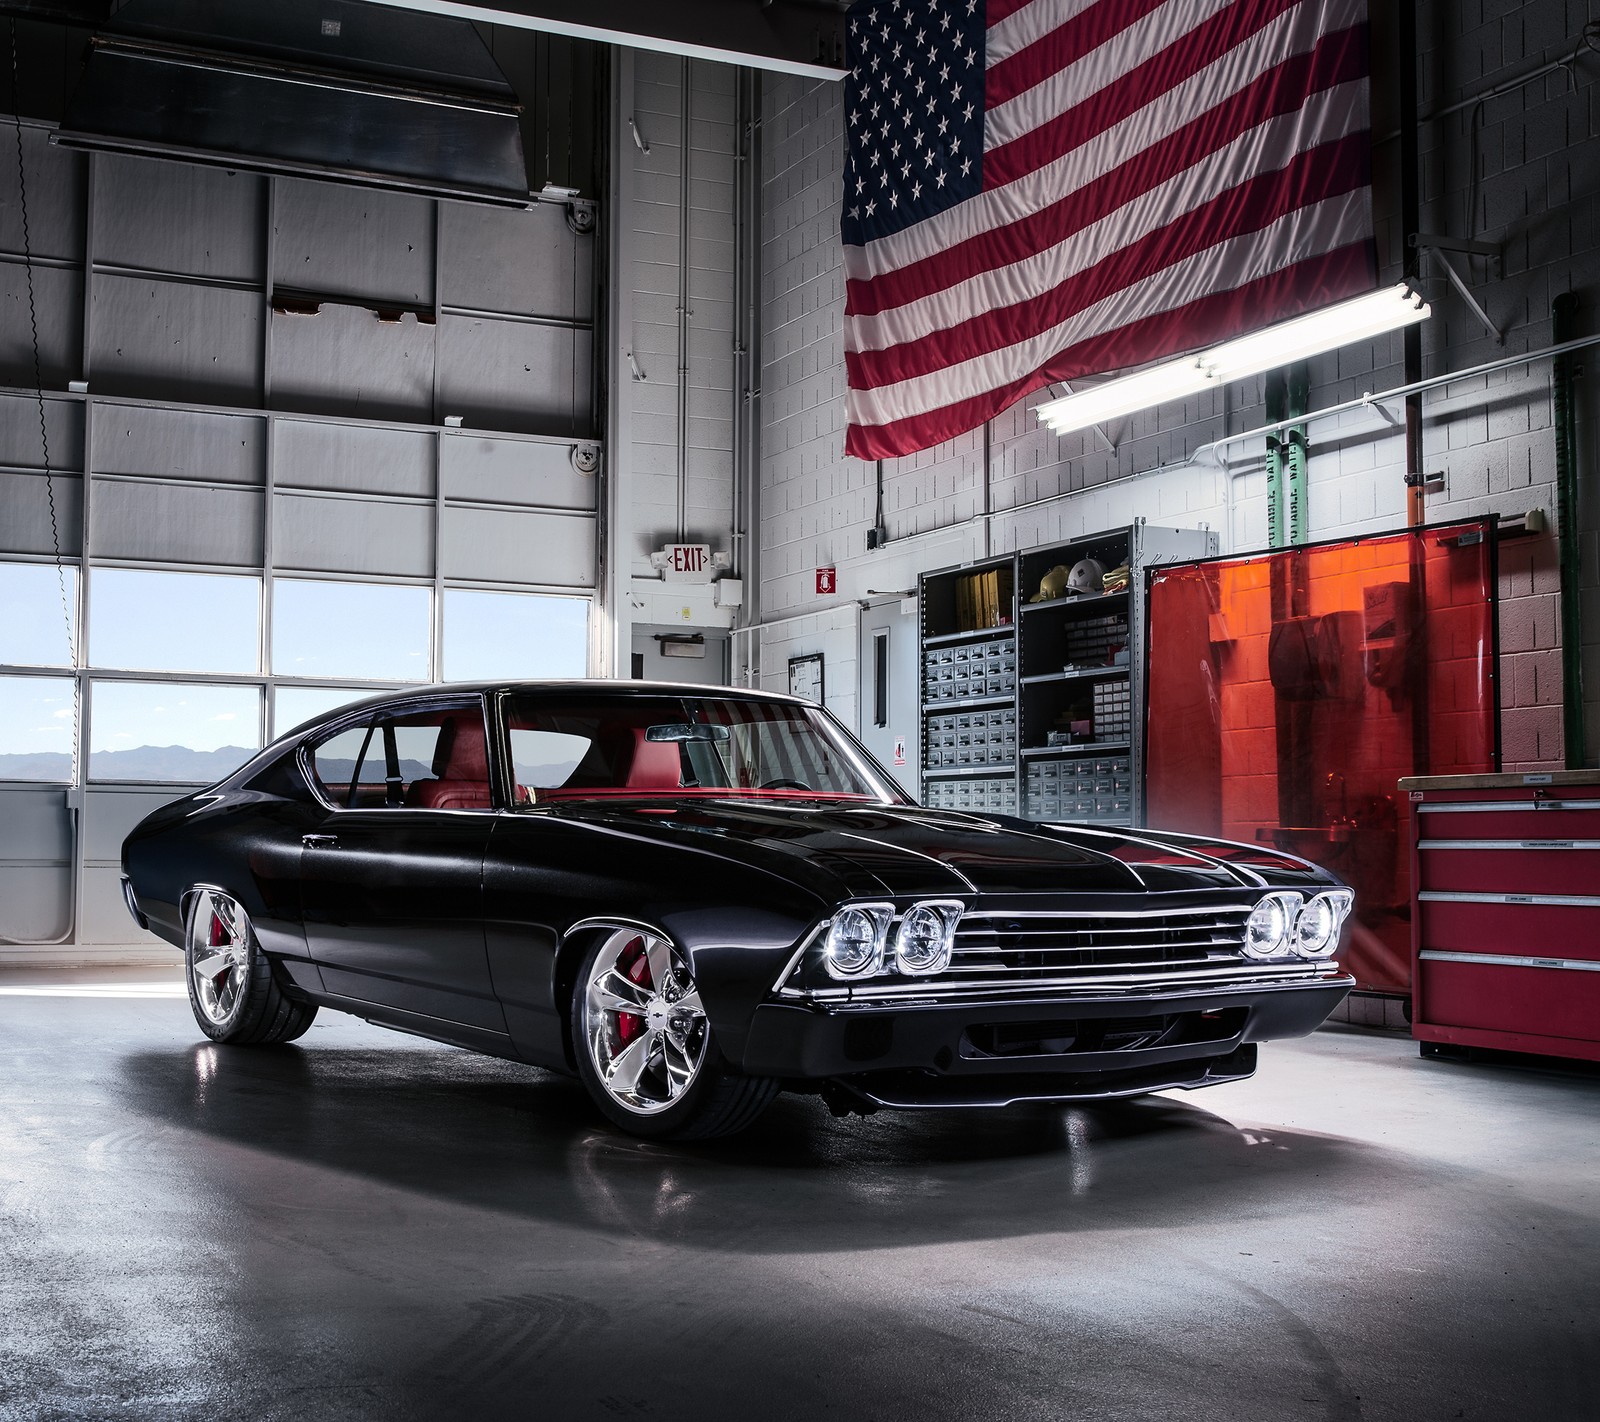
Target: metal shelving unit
{"points": [[1037, 663]]}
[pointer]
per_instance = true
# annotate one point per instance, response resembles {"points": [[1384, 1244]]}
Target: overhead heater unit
{"points": [[312, 88]]}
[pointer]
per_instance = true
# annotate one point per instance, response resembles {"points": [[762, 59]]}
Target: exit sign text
{"points": [[687, 563]]}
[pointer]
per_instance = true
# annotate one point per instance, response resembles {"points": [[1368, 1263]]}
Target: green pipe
{"points": [[1564, 321]]}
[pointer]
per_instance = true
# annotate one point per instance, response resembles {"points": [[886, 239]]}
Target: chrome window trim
{"points": [[312, 739]]}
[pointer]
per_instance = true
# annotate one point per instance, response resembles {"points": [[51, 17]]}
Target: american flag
{"points": [[1038, 190]]}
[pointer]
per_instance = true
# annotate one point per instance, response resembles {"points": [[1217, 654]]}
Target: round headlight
{"points": [[1316, 928], [854, 945], [1268, 929], [922, 945]]}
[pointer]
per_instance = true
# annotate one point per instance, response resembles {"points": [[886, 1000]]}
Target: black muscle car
{"points": [[694, 898]]}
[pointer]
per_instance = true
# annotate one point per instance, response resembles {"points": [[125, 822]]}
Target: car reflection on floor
{"points": [[362, 1225], [495, 1135]]}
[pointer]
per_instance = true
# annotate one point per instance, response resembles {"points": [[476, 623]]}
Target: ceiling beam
{"points": [[786, 36]]}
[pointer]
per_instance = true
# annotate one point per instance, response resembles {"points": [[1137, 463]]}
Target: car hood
{"points": [[901, 850]]}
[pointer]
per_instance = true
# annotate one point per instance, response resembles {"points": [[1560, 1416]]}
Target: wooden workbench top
{"points": [[1510, 781]]}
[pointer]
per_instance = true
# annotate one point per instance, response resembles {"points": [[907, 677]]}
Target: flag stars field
{"points": [[1086, 186]]}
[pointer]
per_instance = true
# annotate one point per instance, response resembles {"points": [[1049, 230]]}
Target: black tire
{"points": [[719, 1101], [250, 1009]]}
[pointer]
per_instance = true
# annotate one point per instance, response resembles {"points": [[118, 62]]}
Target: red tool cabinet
{"points": [[1505, 911]]}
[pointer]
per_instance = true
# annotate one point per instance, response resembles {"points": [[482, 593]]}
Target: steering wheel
{"points": [[784, 785]]}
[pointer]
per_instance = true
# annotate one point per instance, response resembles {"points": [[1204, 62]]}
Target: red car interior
{"points": [[651, 765], [461, 765]]}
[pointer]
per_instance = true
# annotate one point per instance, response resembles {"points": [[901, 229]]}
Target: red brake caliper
{"points": [[635, 966], [218, 938]]}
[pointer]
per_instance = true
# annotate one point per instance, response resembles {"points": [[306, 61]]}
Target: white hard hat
{"points": [[1088, 576]]}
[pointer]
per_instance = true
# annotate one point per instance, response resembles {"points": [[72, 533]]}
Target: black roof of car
{"points": [[588, 686], [593, 686]]}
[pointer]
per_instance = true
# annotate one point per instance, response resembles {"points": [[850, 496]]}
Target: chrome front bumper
{"points": [[920, 1045]]}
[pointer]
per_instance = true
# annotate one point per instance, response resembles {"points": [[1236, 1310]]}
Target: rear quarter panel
{"points": [[241, 841]]}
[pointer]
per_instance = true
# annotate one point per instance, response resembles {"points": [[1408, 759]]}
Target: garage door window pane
{"points": [[489, 636], [366, 630], [294, 705], [36, 728], [168, 731], [196, 622], [33, 624]]}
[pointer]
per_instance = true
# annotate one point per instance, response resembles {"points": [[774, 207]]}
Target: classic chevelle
{"points": [[694, 898]]}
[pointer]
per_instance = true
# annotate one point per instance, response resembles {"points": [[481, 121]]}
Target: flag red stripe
{"points": [[1337, 59], [1202, 46], [1305, 286], [1064, 45], [1313, 176]]}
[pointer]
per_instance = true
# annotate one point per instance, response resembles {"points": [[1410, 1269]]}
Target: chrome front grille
{"points": [[1024, 947], [1131, 952]]}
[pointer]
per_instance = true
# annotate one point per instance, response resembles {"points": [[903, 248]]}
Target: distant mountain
{"points": [[338, 772], [36, 765], [180, 764], [165, 763]]}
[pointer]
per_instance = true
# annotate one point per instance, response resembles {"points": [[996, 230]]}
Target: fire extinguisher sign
{"points": [[827, 580]]}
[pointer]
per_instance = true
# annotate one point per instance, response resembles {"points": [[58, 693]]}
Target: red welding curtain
{"points": [[1288, 692]]}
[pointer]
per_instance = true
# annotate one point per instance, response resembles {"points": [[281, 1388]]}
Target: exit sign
{"points": [[686, 562], [827, 580]]}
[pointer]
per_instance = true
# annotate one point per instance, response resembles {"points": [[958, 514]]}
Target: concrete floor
{"points": [[368, 1226]]}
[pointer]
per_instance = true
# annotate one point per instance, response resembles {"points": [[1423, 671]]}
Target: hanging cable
{"points": [[49, 472]]}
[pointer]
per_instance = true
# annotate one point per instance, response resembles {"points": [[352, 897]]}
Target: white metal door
{"points": [[888, 701], [661, 654]]}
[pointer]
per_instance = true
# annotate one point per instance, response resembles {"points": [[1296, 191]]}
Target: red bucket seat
{"points": [[461, 765]]}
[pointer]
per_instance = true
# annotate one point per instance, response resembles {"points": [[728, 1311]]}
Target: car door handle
{"points": [[320, 841]]}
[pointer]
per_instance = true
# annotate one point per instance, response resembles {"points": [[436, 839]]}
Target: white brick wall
{"points": [[653, 218], [837, 635], [1539, 167]]}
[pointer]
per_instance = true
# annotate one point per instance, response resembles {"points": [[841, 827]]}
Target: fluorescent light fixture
{"points": [[1343, 324]]}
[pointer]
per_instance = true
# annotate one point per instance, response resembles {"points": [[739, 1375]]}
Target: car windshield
{"points": [[577, 747]]}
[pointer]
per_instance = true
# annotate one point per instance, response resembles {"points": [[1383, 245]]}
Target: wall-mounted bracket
{"points": [[1434, 247], [1522, 525], [1430, 482], [1468, 246]]}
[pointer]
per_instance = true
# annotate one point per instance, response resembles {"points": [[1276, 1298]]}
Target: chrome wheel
{"points": [[643, 1024], [219, 956]]}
